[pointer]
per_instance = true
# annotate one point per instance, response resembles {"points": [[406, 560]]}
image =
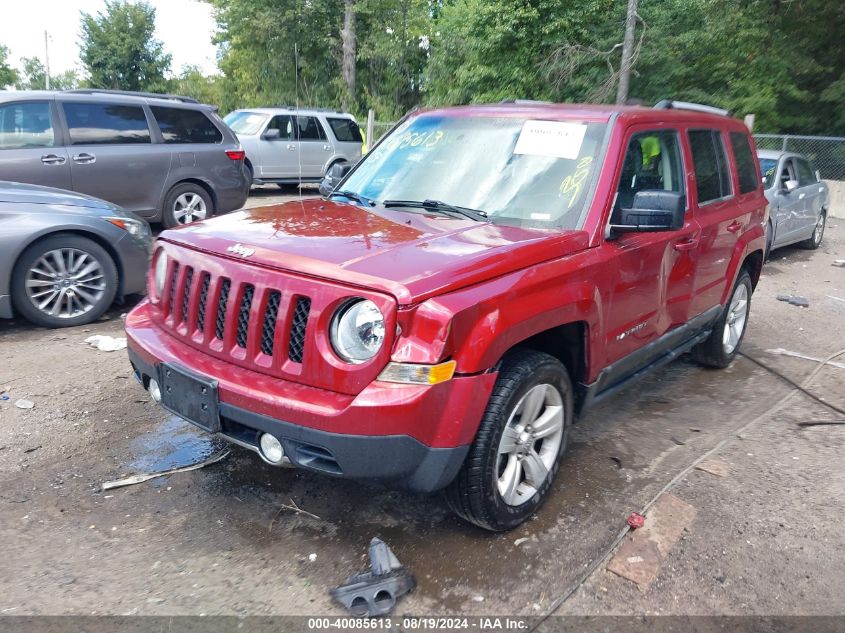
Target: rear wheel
{"points": [[515, 456], [64, 280], [769, 239], [815, 239], [722, 346], [186, 203]]}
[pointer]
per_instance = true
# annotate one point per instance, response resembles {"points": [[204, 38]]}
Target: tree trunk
{"points": [[627, 53], [347, 36]]}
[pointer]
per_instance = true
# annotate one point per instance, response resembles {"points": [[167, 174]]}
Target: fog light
{"points": [[271, 449], [155, 390]]}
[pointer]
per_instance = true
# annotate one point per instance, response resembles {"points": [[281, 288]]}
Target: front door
{"points": [[31, 148], [279, 156], [654, 271], [789, 203], [811, 195]]}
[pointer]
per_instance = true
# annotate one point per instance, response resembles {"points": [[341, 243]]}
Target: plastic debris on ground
{"points": [[137, 479], [794, 300], [635, 520], [24, 404], [839, 262], [374, 592], [106, 343]]}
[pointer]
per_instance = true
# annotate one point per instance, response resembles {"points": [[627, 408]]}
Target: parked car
{"points": [[798, 200], [165, 158], [482, 276], [285, 145], [65, 257]]}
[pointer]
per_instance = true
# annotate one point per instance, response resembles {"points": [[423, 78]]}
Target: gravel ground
{"points": [[223, 539]]}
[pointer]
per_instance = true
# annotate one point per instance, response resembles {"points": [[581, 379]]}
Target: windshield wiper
{"points": [[438, 206], [353, 196]]}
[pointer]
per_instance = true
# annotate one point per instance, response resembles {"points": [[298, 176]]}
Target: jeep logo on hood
{"points": [[239, 249]]}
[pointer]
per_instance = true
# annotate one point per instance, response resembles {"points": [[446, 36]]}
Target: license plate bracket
{"points": [[190, 396]]}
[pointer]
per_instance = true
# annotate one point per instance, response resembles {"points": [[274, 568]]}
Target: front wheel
{"points": [[515, 456], [722, 346]]}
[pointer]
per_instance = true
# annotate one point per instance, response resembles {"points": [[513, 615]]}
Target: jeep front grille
{"points": [[206, 279], [268, 328], [296, 346], [243, 316], [220, 322]]}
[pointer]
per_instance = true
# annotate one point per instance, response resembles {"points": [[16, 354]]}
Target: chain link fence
{"points": [[827, 153]]}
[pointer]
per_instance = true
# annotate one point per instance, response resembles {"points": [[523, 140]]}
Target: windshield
{"points": [[245, 123], [516, 171], [768, 166]]}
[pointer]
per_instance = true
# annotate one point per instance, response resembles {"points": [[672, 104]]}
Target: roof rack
{"points": [[523, 102], [290, 107], [131, 93], [669, 104]]}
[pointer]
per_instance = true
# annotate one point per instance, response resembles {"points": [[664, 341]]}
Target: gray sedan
{"points": [[65, 257], [798, 200]]}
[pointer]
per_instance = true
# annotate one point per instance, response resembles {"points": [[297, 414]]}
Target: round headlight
{"points": [[357, 331], [160, 273]]}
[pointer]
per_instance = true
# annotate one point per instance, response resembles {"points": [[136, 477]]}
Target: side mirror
{"points": [[790, 185], [336, 173], [273, 134], [652, 211]]}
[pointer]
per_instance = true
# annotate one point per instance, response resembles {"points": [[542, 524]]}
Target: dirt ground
{"points": [[767, 538]]}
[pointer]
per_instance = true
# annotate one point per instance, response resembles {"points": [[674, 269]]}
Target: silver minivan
{"points": [[165, 158], [289, 146], [798, 200]]}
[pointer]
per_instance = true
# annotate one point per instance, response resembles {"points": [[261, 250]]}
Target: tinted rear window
{"points": [[179, 125], [345, 130], [26, 125], [712, 178], [106, 124], [746, 169], [309, 129]]}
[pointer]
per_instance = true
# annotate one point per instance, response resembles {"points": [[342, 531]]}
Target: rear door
{"points": [[278, 157], [112, 154], [314, 146], [31, 148]]}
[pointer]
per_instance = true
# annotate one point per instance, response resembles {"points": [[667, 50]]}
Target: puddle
{"points": [[173, 444]]}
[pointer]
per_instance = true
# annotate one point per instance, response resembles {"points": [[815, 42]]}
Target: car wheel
{"points": [[515, 456], [722, 346], [64, 280], [770, 234], [186, 203], [815, 239], [250, 175]]}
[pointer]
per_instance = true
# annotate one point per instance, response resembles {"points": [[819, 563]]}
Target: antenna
{"points": [[295, 117]]}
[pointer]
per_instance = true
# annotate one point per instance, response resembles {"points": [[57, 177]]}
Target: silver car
{"points": [[163, 157], [65, 257], [289, 146], [798, 200]]}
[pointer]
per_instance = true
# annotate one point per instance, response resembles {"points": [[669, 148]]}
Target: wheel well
{"points": [[754, 265], [567, 343], [248, 163], [202, 184], [91, 236]]}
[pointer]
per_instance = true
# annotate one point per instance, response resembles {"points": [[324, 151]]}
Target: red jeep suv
{"points": [[481, 277]]}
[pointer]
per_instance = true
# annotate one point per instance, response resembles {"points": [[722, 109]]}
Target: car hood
{"points": [[412, 256], [19, 193]]}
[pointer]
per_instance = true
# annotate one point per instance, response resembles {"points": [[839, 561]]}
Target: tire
{"points": [[770, 235], [475, 494], [182, 196], [65, 303], [250, 175], [722, 346], [815, 240]]}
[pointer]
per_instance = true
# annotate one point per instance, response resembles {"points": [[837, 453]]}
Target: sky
{"points": [[185, 26]]}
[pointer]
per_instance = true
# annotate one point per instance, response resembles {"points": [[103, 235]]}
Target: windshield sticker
{"points": [[557, 139]]}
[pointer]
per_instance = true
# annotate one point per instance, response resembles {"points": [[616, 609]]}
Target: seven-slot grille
{"points": [[215, 296]]}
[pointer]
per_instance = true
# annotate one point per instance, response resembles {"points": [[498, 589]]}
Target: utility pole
{"points": [[627, 53], [46, 62]]}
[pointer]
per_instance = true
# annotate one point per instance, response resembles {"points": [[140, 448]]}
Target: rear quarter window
{"points": [[106, 124], [745, 167], [712, 176], [345, 130], [25, 125], [180, 125]]}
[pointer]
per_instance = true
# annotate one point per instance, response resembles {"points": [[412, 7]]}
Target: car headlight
{"points": [[138, 228], [357, 331], [159, 273]]}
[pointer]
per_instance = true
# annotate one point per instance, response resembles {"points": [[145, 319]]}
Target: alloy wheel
{"points": [[65, 283], [737, 315], [189, 207], [819, 230], [529, 444]]}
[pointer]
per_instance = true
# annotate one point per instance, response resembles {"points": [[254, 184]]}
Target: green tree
{"points": [[8, 75], [118, 49], [193, 83], [34, 75]]}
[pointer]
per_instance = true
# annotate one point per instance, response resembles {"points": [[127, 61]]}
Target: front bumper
{"points": [[134, 255], [403, 436]]}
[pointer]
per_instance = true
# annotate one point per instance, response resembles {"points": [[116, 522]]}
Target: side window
{"points": [[652, 162], [179, 125], [805, 173], [745, 164], [345, 130], [25, 125], [106, 124], [309, 129], [712, 177], [789, 172], [283, 123]]}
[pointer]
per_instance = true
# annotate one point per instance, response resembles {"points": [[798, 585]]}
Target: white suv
{"points": [[285, 145]]}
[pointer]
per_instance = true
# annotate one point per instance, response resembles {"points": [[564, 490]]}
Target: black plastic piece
{"points": [[374, 593]]}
